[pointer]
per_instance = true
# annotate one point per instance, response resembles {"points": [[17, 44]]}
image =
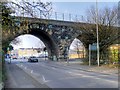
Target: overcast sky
{"points": [[73, 8]]}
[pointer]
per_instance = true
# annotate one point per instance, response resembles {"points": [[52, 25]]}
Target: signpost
{"points": [[93, 53], [94, 47], [89, 54]]}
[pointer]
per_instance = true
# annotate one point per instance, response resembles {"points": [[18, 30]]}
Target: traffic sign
{"points": [[94, 47]]}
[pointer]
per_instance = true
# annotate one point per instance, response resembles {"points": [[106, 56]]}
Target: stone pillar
{"points": [[63, 56]]}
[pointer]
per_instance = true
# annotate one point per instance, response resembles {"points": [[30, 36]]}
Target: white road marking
{"points": [[44, 80], [31, 71]]}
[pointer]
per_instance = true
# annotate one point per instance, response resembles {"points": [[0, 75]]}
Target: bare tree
{"points": [[10, 29], [107, 24], [78, 47], [36, 9], [16, 41]]}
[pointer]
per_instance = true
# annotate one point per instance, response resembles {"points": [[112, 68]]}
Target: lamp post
{"points": [[97, 34]]}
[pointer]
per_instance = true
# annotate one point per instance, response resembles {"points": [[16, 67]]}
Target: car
{"points": [[32, 59], [14, 57], [43, 55]]}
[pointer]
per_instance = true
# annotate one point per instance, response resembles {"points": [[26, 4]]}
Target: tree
{"points": [[107, 24], [7, 23], [10, 48], [78, 47], [10, 29], [36, 9]]}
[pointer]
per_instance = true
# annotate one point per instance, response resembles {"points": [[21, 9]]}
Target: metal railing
{"points": [[53, 16], [37, 13]]}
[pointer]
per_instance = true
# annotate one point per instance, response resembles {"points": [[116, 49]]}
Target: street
{"points": [[17, 78], [50, 74]]}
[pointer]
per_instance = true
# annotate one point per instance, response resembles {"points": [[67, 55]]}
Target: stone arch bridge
{"points": [[56, 35]]}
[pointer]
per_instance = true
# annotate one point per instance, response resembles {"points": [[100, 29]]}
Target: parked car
{"points": [[32, 59]]}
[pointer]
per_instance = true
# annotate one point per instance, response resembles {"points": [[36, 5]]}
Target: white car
{"points": [[32, 59]]}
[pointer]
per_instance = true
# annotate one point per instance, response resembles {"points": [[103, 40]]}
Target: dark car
{"points": [[32, 59]]}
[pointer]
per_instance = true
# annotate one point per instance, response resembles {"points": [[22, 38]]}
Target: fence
{"points": [[35, 12], [54, 16]]}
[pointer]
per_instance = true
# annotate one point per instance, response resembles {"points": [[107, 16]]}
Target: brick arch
{"points": [[77, 37], [47, 40], [44, 37], [58, 34]]}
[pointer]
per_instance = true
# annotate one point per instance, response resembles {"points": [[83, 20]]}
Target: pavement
{"points": [[104, 69]]}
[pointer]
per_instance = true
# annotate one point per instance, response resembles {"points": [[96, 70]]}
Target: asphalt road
{"points": [[18, 78], [57, 76]]}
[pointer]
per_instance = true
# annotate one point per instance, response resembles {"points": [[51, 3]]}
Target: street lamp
{"points": [[97, 34]]}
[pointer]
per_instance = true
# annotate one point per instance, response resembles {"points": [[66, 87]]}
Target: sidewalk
{"points": [[79, 66]]}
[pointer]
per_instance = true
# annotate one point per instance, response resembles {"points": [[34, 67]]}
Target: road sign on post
{"points": [[89, 54], [94, 47], [93, 53]]}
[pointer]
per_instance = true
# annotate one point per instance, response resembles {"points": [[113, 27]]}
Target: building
{"points": [[26, 52]]}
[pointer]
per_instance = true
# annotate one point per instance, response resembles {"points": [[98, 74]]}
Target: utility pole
{"points": [[97, 33]]}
